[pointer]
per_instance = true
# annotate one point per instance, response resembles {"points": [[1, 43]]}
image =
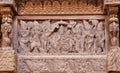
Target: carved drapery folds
{"points": [[62, 36], [6, 27]]}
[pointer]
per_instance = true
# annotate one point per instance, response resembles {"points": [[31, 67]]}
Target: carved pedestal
{"points": [[8, 61]]}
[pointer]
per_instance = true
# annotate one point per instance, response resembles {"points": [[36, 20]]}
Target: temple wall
{"points": [[59, 36]]}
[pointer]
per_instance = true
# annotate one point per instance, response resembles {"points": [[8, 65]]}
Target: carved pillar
{"points": [[6, 27], [113, 57], [113, 25], [8, 58]]}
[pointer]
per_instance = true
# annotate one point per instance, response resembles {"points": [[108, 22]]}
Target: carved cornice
{"points": [[60, 6]]}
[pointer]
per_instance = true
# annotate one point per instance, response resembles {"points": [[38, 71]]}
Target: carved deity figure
{"points": [[114, 30], [35, 38], [6, 29], [100, 38], [77, 30], [88, 35], [24, 36]]}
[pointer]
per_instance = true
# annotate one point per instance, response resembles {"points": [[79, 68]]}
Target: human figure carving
{"points": [[24, 34], [100, 38], [114, 30], [88, 35], [35, 38], [77, 30], [6, 29]]}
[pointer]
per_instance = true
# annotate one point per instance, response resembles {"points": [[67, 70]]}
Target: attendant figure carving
{"points": [[6, 29], [114, 30]]}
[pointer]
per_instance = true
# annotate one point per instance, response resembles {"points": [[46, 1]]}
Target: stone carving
{"points": [[81, 65], [60, 7], [7, 61], [114, 30], [114, 59], [62, 36], [6, 29]]}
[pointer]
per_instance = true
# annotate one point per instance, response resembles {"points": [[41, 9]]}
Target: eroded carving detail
{"points": [[62, 36], [82, 65]]}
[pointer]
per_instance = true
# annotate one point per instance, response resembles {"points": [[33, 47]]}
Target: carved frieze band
{"points": [[60, 7], [79, 65], [62, 37]]}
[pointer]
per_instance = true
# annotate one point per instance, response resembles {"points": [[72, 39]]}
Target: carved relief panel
{"points": [[62, 65], [61, 37]]}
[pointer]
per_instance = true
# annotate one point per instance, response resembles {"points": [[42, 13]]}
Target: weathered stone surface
{"points": [[114, 59], [62, 64]]}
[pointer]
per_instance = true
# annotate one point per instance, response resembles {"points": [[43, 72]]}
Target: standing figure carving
{"points": [[114, 30], [88, 36], [100, 38], [35, 41], [6, 29], [24, 37]]}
